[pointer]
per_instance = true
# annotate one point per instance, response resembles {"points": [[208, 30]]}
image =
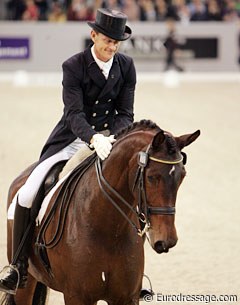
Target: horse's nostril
{"points": [[160, 247]]}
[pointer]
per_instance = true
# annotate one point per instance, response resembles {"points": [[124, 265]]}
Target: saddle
{"points": [[57, 172], [53, 176], [49, 182]]}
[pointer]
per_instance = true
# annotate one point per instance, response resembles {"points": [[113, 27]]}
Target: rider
{"points": [[98, 95]]}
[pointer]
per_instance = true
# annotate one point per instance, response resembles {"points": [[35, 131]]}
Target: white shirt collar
{"points": [[105, 67]]}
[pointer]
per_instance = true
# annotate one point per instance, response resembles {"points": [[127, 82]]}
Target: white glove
{"points": [[102, 145]]}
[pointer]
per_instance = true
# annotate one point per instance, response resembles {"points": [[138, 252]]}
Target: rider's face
{"points": [[104, 47]]}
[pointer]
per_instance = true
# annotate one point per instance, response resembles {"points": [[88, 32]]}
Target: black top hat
{"points": [[112, 24]]}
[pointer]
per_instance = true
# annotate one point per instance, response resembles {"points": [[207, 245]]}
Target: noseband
{"points": [[143, 210]]}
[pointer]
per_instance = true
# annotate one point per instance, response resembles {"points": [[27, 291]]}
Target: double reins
{"points": [[103, 182], [143, 209]]}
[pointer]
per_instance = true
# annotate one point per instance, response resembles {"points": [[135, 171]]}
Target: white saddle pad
{"points": [[44, 205]]}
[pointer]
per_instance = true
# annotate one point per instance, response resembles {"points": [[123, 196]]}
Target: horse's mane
{"points": [[148, 125], [141, 125]]}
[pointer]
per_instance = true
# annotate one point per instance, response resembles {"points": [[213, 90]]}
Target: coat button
{"points": [[96, 102], [93, 127], [94, 114], [105, 125], [107, 112]]}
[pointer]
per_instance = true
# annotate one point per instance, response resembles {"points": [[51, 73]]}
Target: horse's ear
{"points": [[187, 139], [158, 140]]}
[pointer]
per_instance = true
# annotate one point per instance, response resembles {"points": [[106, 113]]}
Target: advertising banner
{"points": [[14, 48]]}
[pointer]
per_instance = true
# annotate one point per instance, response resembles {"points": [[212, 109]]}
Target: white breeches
{"points": [[28, 191]]}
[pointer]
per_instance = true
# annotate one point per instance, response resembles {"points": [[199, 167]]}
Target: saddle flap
{"points": [[52, 176]]}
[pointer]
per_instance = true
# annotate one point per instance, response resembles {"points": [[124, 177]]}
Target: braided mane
{"points": [[143, 124], [146, 125]]}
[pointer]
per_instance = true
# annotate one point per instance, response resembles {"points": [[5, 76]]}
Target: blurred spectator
{"points": [[57, 14], [147, 10], [136, 10], [96, 4], [164, 11], [42, 8], [182, 10], [238, 7], [2, 10], [112, 4], [31, 12], [161, 10], [15, 9], [64, 3], [171, 44], [74, 10], [197, 10], [230, 12], [80, 11], [131, 9], [213, 11]]}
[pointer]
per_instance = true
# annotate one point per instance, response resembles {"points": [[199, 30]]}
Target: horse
{"points": [[99, 254]]}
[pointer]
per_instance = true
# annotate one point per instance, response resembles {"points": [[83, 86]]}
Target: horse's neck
{"points": [[119, 171]]}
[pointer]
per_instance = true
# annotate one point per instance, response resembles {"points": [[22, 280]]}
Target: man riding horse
{"points": [[98, 96]]}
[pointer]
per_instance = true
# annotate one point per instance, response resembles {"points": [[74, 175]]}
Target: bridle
{"points": [[143, 209]]}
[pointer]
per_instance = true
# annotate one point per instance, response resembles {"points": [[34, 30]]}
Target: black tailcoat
{"points": [[92, 103]]}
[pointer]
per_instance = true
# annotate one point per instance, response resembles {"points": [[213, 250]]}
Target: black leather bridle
{"points": [[143, 209]]}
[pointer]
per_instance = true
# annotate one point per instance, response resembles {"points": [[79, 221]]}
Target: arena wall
{"points": [[43, 46]]}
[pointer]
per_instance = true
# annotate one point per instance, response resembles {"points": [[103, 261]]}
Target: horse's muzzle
{"points": [[162, 246]]}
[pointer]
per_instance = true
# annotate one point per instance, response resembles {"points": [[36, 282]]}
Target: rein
{"points": [[101, 181], [143, 210]]}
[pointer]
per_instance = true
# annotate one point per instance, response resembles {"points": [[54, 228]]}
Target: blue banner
{"points": [[14, 48]]}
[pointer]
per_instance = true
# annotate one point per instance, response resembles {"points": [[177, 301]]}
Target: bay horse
{"points": [[100, 253]]}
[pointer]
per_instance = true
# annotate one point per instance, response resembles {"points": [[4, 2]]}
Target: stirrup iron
{"points": [[5, 271]]}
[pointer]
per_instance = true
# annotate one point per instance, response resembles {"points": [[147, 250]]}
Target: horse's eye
{"points": [[153, 179], [150, 178]]}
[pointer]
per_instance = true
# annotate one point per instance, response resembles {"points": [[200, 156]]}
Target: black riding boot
{"points": [[14, 276]]}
